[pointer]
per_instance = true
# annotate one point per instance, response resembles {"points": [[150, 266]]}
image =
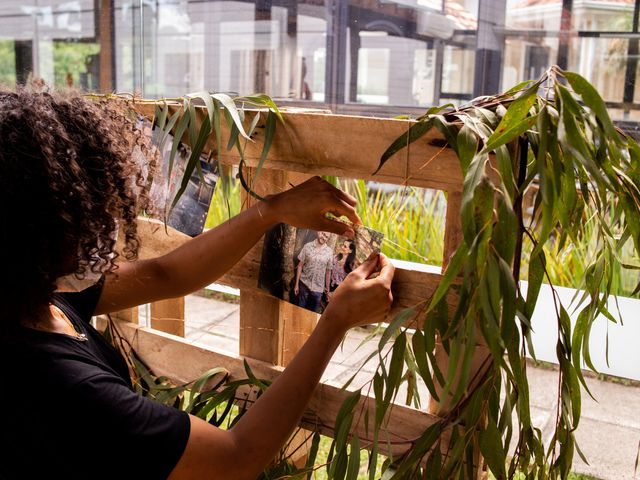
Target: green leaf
{"points": [[167, 129], [421, 446], [208, 102], [511, 132], [160, 115], [264, 100], [418, 345], [344, 417], [354, 459], [232, 111], [573, 139], [252, 378], [594, 101], [515, 121], [453, 268], [472, 180], [506, 228], [217, 127], [338, 467], [505, 168], [520, 86], [537, 265], [493, 451], [414, 132], [400, 319], [378, 392], [313, 453], [269, 133], [395, 368], [467, 146], [194, 158], [183, 123], [204, 378], [434, 464], [373, 459]]}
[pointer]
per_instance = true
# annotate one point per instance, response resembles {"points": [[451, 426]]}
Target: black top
{"points": [[68, 409]]}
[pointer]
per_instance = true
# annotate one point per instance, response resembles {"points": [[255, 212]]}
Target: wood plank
{"points": [[270, 329], [182, 362], [128, 315], [260, 327], [347, 146], [168, 315], [453, 227], [105, 30], [297, 323], [410, 286]]}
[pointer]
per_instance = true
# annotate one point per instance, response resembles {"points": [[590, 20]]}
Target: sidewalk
{"points": [[609, 431]]}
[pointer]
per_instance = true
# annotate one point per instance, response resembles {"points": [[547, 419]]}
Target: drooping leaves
{"points": [[550, 143]]}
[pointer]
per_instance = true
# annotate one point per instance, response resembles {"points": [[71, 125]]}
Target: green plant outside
{"points": [[7, 63], [224, 205], [70, 61]]}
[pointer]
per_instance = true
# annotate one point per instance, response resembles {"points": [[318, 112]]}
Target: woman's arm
{"points": [[244, 451], [207, 257]]}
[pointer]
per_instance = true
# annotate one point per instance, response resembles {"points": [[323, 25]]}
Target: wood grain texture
{"points": [[346, 146], [453, 227], [168, 315], [411, 287], [313, 143], [182, 362]]}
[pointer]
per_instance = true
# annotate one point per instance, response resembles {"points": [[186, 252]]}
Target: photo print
{"points": [[304, 267], [190, 213]]}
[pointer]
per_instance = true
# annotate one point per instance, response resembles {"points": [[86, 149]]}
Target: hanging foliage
{"points": [[554, 134], [179, 119]]}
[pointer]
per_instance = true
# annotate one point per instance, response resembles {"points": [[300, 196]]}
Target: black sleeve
{"points": [[84, 302]]}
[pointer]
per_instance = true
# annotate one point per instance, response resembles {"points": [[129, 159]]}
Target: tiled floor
{"points": [[609, 431]]}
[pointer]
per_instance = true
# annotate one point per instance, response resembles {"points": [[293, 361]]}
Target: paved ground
{"points": [[609, 432]]}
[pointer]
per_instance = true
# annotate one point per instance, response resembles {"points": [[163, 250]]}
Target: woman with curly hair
{"points": [[68, 409]]}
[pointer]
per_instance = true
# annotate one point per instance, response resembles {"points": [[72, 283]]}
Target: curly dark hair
{"points": [[68, 176]]}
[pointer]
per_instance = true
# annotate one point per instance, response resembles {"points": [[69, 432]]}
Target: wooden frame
{"points": [[314, 144]]}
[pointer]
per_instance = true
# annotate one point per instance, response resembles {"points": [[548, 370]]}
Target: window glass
{"points": [[605, 15], [543, 15], [527, 58], [610, 56], [54, 40], [351, 56]]}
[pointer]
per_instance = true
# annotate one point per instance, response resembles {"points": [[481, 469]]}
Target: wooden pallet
{"points": [[272, 331]]}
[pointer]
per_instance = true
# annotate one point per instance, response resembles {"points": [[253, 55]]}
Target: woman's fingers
{"points": [[344, 196], [387, 271], [341, 208], [368, 267], [301, 205], [335, 226]]}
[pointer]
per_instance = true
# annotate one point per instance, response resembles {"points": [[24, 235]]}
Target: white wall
{"points": [[624, 339]]}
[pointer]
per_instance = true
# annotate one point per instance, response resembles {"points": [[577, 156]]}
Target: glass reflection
{"points": [[355, 56]]}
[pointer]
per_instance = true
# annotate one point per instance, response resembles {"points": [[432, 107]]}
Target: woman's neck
{"points": [[50, 319]]}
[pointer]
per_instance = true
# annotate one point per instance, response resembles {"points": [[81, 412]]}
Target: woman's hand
{"points": [[306, 206], [364, 297]]}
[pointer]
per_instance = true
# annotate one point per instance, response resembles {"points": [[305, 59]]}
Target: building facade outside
{"points": [[357, 56]]}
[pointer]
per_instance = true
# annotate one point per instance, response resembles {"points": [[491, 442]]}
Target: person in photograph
{"points": [[312, 273], [343, 263], [69, 409]]}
